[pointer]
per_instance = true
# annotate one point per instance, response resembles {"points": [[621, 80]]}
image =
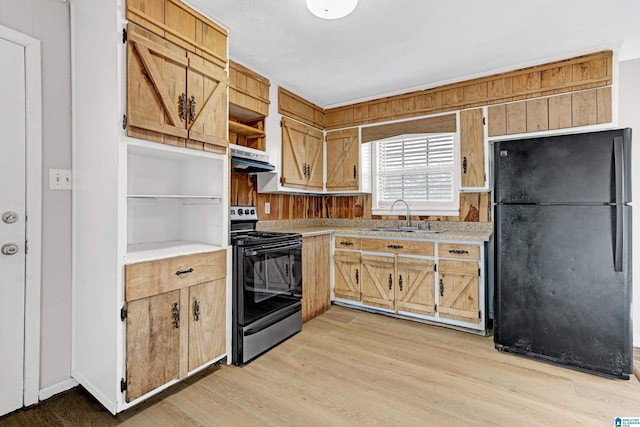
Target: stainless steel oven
{"points": [[267, 286]]}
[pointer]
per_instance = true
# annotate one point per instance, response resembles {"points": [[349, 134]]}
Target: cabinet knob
{"points": [[192, 108], [196, 309], [175, 315], [183, 106]]}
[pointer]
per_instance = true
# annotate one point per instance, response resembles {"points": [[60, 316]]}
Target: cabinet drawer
{"points": [[455, 250], [342, 242], [465, 268], [398, 246], [155, 277]]}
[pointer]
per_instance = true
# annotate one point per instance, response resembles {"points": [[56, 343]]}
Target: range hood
{"points": [[249, 160]]}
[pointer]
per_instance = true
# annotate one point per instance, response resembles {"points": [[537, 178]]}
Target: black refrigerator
{"points": [[563, 250]]}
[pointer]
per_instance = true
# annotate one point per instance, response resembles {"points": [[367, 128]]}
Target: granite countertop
{"points": [[478, 231]]}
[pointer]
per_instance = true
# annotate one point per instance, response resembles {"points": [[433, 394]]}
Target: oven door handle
{"points": [[269, 249]]}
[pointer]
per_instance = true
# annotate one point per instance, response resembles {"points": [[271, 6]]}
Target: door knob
{"points": [[9, 217], [9, 249]]}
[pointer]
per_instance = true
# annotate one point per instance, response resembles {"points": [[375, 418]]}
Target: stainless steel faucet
{"points": [[408, 210]]}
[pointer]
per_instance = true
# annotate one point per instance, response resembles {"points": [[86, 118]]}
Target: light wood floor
{"points": [[351, 368]]}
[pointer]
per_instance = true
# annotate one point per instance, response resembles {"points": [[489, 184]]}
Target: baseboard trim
{"points": [[52, 390]]}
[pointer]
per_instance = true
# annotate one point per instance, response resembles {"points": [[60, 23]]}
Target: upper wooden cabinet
{"points": [[174, 96], [302, 156], [343, 160], [472, 152], [175, 21], [291, 105]]}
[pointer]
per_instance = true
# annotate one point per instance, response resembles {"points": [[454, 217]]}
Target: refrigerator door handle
{"points": [[618, 154], [618, 158], [617, 256]]}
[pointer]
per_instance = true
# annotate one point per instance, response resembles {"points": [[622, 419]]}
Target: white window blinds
{"points": [[417, 168]]}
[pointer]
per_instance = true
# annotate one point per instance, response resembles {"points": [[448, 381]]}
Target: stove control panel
{"points": [[239, 213]]}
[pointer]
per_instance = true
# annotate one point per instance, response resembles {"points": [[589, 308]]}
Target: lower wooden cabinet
{"points": [[459, 292], [153, 343], [347, 276], [378, 278], [316, 282], [179, 324], [415, 292], [438, 281]]}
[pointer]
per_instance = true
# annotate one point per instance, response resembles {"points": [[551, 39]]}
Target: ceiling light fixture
{"points": [[331, 9]]}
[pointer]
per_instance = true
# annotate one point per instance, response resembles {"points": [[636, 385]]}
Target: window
{"points": [[420, 169]]}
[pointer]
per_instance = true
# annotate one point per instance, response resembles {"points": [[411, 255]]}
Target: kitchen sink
{"points": [[406, 230]]}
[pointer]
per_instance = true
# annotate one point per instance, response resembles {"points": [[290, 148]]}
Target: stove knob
{"points": [[233, 211], [240, 212], [253, 211], [246, 211]]}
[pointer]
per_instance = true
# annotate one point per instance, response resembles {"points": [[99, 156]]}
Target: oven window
{"points": [[272, 280]]}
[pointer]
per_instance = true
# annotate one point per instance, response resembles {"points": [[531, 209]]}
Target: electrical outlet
{"points": [[267, 208], [59, 179]]}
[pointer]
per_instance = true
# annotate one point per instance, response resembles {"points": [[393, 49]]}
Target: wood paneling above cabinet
{"points": [[587, 107], [248, 90], [178, 23], [293, 106], [583, 72], [437, 124]]}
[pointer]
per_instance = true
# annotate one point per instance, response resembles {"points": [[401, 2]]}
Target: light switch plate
{"points": [[267, 208], [59, 179]]}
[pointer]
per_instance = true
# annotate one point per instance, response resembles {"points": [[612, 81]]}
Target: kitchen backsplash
{"points": [[474, 207]]}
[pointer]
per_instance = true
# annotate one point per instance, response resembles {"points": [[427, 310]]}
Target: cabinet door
{"points": [[294, 163], [472, 171], [378, 281], [153, 342], [207, 104], [316, 285], [459, 291], [314, 155], [347, 275], [156, 88], [416, 286], [207, 322], [343, 157]]}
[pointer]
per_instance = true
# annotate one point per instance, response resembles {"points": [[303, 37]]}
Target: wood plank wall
{"points": [[579, 73], [474, 207]]}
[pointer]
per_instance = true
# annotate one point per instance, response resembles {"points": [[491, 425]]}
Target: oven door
{"points": [[271, 279]]}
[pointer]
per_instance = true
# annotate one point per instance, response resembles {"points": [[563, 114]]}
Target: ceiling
{"points": [[388, 47]]}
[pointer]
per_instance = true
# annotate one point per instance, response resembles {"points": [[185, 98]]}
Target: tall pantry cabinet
{"points": [[150, 237]]}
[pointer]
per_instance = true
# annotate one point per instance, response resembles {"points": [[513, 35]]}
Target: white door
{"points": [[12, 224]]}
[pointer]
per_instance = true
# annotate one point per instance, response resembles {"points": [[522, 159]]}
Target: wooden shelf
{"points": [[245, 130]]}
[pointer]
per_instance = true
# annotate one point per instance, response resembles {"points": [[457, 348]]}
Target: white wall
{"points": [[48, 21], [629, 116]]}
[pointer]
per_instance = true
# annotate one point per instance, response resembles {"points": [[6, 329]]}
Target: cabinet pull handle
{"points": [[196, 308], [304, 170], [343, 243], [183, 106], [390, 281], [355, 172], [400, 282], [441, 288], [357, 276], [464, 165], [192, 108], [180, 272], [394, 246], [176, 315], [309, 171], [286, 269], [458, 252]]}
